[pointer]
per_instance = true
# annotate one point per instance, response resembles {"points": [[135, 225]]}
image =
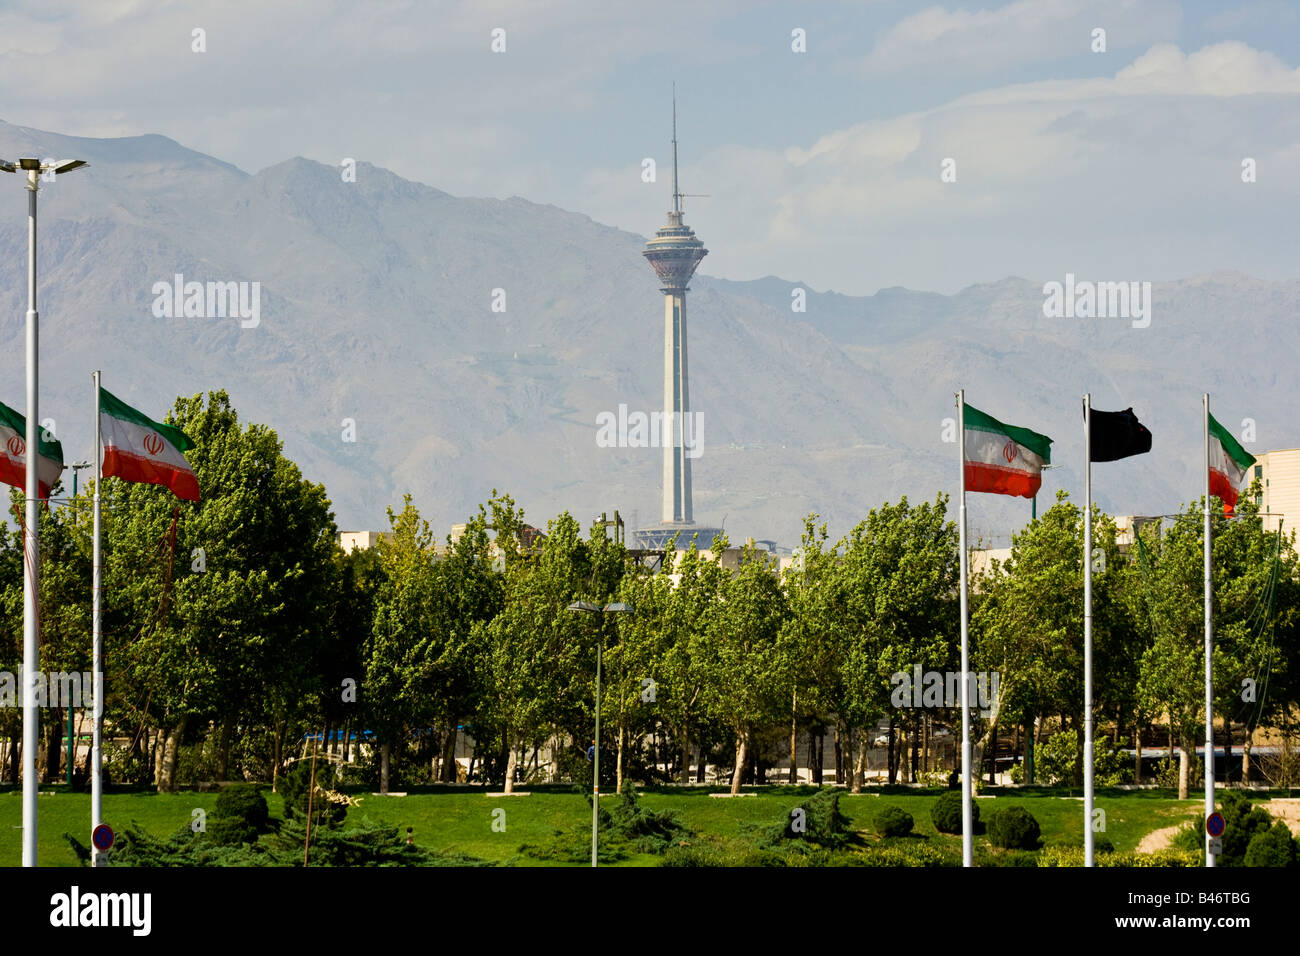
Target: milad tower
{"points": [[674, 253]]}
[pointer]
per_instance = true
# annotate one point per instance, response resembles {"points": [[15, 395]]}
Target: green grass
{"points": [[461, 820]]}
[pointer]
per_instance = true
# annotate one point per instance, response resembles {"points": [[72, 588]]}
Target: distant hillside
{"points": [[376, 306]]}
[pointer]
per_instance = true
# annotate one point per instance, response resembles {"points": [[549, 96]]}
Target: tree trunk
{"points": [[916, 750], [1227, 748], [155, 756], [1030, 729], [618, 769], [742, 756], [1078, 754], [860, 770], [277, 755], [893, 758], [447, 769], [1245, 755], [510, 764], [1184, 771], [223, 750], [686, 758], [794, 736], [814, 757], [701, 766], [55, 751], [385, 756], [993, 754], [925, 744], [1137, 750], [839, 756], [170, 755]]}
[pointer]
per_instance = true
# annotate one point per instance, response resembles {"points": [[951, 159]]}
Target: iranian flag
{"points": [[13, 455], [137, 448], [1003, 459], [1229, 463]]}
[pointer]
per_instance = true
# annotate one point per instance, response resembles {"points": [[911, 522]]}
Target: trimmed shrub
{"points": [[946, 813], [693, 856], [905, 854], [821, 824], [894, 822], [241, 815], [1272, 847], [1244, 822], [295, 785], [1014, 828], [1055, 856]]}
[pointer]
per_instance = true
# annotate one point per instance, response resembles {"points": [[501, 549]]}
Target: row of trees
{"points": [[236, 626]]}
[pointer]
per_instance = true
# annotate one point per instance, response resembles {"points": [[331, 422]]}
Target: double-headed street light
{"points": [[31, 553], [617, 608]]}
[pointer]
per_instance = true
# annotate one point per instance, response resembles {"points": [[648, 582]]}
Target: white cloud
{"points": [[1026, 31], [1136, 174]]}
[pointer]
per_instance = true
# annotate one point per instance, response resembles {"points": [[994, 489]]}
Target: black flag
{"points": [[1117, 435]]}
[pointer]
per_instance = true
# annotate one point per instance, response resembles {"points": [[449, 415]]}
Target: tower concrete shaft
{"points": [[677, 404]]}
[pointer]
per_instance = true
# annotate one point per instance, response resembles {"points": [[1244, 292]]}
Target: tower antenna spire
{"points": [[677, 196]]}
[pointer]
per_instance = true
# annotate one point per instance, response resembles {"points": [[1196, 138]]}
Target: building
{"points": [[349, 541], [1279, 476]]}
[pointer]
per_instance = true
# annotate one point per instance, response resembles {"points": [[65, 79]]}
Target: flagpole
{"points": [[97, 642], [31, 543], [1209, 636], [966, 824], [1087, 631]]}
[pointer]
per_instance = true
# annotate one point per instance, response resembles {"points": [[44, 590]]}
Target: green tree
{"points": [[746, 670], [1254, 583], [1029, 621], [815, 638], [212, 609], [898, 581], [539, 657], [681, 675]]}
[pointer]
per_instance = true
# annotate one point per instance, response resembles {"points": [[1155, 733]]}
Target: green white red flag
{"points": [[13, 454], [1002, 459], [137, 448], [1229, 463]]}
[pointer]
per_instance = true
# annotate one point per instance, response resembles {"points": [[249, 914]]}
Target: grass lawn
{"points": [[461, 820]]}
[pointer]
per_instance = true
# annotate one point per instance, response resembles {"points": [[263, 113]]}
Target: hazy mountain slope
{"points": [[376, 306]]}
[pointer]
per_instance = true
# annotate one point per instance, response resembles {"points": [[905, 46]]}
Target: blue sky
{"points": [[821, 167]]}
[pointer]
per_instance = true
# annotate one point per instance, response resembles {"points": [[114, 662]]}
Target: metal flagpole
{"points": [[31, 545], [1087, 631], [595, 768], [97, 642], [966, 825], [1209, 637]]}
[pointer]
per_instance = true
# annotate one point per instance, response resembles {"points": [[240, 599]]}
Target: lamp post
{"points": [[31, 549], [617, 608]]}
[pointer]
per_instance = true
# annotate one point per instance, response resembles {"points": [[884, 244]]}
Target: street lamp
{"points": [[617, 608], [31, 549]]}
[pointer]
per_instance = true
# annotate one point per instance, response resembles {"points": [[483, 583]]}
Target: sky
{"points": [[823, 166]]}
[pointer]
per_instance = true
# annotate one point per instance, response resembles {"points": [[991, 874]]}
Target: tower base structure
{"points": [[657, 537]]}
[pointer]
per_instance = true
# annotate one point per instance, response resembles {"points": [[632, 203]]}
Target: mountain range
{"points": [[377, 308]]}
